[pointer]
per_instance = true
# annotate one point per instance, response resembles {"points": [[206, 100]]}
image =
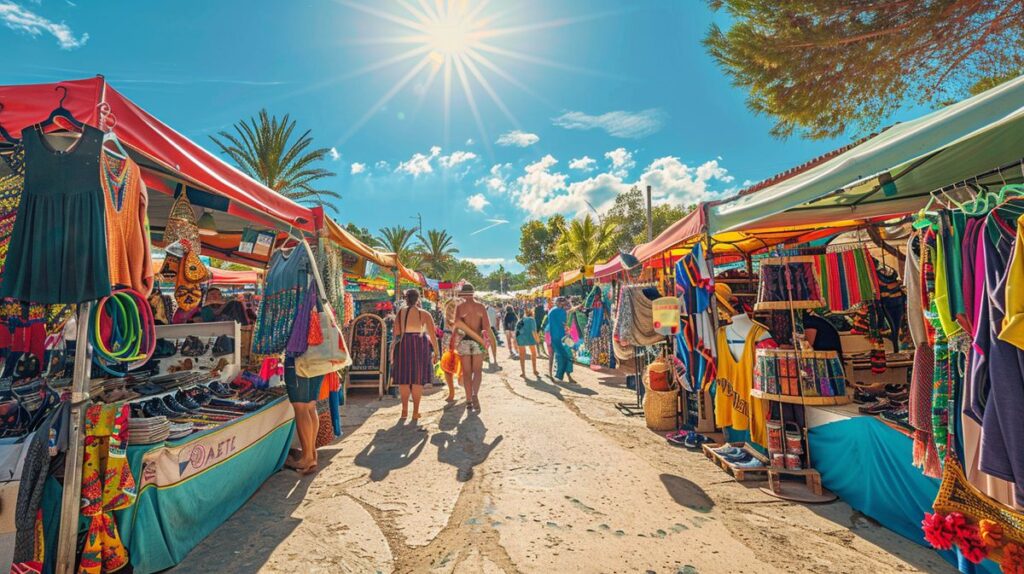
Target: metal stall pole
{"points": [[71, 498]]}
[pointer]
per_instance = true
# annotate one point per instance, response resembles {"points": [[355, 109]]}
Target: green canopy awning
{"points": [[893, 172]]}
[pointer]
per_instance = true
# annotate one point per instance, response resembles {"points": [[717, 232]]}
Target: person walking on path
{"points": [[509, 322], [471, 318], [558, 318], [527, 339], [448, 322], [415, 340], [540, 313]]}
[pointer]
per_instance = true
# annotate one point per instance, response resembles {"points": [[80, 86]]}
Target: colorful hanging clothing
{"points": [[695, 344], [107, 485], [848, 277], [58, 251], [284, 291], [126, 200]]}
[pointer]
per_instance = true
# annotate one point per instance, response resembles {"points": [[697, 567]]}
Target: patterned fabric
{"points": [[412, 360], [107, 485], [285, 289]]}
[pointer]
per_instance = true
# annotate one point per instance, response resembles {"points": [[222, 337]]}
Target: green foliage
{"points": [[398, 240], [361, 233], [263, 148], [586, 241], [629, 214], [460, 270], [503, 280], [436, 252], [821, 67], [537, 243]]}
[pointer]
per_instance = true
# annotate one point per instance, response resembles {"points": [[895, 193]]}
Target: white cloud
{"points": [[333, 153], [517, 138], [469, 141], [620, 123], [419, 164], [541, 191], [358, 168], [485, 261], [585, 163], [382, 165], [455, 158], [622, 161], [21, 19], [477, 202], [497, 180], [673, 181]]}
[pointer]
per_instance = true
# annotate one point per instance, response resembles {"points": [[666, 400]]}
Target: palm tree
{"points": [[398, 240], [261, 148], [436, 252], [584, 242]]}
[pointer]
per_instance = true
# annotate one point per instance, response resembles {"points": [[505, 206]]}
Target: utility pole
{"points": [[650, 217], [419, 225]]}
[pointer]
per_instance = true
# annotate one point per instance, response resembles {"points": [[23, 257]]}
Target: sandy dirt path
{"points": [[549, 478]]}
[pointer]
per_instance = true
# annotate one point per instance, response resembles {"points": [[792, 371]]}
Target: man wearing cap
{"points": [[471, 320]]}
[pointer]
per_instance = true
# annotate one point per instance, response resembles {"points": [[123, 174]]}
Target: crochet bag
{"points": [[331, 354], [182, 225]]}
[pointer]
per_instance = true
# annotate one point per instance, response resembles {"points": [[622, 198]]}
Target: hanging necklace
{"points": [[116, 183]]}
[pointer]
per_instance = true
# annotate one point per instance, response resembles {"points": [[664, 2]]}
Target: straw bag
{"points": [[659, 375], [327, 357], [182, 225], [660, 409]]}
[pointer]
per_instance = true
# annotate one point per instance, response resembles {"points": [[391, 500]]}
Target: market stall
{"points": [[153, 421]]}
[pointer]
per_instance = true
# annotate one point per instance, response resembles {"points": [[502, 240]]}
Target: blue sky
{"points": [[578, 99]]}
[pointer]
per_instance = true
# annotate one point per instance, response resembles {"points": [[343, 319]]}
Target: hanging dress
{"points": [[58, 251], [283, 294], [125, 200], [734, 406]]}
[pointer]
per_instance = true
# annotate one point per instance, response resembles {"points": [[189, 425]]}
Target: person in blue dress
{"points": [[527, 339], [558, 320]]}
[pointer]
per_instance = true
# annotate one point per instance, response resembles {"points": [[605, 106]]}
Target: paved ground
{"points": [[549, 478]]}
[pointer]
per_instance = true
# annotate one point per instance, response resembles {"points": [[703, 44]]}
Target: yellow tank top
{"points": [[733, 404]]}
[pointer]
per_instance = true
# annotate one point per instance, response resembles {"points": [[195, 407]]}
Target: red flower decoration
{"points": [[1013, 559], [971, 545], [937, 531]]}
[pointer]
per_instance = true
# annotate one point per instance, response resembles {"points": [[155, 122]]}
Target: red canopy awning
{"points": [[172, 153], [693, 224]]}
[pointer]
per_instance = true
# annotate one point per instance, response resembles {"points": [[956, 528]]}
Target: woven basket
{"points": [[660, 409]]}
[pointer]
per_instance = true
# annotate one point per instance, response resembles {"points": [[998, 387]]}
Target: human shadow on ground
{"points": [[545, 387], [466, 448], [391, 448], [451, 415], [576, 388], [686, 493]]}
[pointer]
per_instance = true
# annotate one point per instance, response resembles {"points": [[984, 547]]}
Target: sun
{"points": [[456, 42]]}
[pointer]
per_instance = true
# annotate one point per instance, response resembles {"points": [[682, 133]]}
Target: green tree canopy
{"points": [[820, 67], [537, 242], [361, 233], [629, 214], [263, 148], [436, 252], [398, 240], [586, 241], [462, 270]]}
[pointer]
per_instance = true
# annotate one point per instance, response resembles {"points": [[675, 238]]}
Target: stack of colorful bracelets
{"points": [[122, 332]]}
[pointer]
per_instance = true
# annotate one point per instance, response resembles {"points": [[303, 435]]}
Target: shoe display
{"points": [[752, 463], [186, 401], [174, 405], [743, 456], [728, 450]]}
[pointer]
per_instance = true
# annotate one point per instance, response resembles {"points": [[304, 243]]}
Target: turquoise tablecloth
{"points": [[869, 465], [189, 488]]}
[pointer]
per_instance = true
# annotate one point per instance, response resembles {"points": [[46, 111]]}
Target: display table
{"points": [[869, 465], [187, 488]]}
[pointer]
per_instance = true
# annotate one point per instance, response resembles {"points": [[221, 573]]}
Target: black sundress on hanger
{"points": [[58, 250]]}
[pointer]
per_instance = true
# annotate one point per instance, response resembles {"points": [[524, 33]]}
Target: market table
{"points": [[187, 488], [870, 466]]}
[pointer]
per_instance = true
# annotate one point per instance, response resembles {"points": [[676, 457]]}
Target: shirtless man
{"points": [[474, 315]]}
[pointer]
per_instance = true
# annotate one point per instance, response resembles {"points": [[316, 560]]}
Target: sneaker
{"points": [[743, 456], [752, 463], [694, 440], [727, 450], [174, 405], [186, 401]]}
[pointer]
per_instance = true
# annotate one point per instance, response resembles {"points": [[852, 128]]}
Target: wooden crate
{"points": [[811, 477], [738, 473]]}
